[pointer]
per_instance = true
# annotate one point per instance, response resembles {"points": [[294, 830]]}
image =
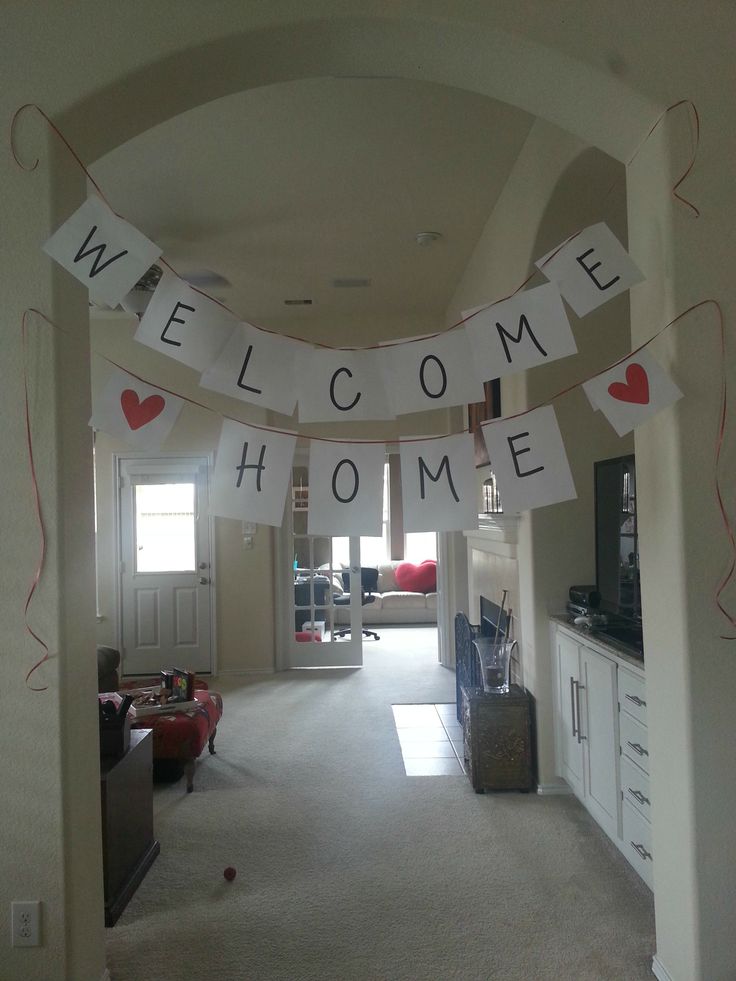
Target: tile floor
{"points": [[431, 739]]}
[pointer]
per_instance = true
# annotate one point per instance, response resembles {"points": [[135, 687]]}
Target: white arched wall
{"points": [[105, 72]]}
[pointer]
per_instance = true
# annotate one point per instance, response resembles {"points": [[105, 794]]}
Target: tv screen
{"points": [[616, 535]]}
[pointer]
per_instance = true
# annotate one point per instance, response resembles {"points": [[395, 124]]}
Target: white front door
{"points": [[165, 565]]}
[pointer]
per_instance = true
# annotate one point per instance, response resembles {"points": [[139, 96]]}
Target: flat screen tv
{"points": [[617, 546]]}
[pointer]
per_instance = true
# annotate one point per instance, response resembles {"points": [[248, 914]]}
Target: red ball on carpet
{"points": [[229, 873]]}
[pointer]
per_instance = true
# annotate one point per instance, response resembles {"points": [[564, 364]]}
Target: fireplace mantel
{"points": [[496, 533]]}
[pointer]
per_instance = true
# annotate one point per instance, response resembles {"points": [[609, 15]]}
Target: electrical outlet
{"points": [[26, 923]]}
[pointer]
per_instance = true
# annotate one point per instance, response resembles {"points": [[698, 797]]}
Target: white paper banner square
{"points": [[256, 366], [431, 373], [252, 473], [438, 484], [632, 392], [340, 386], [528, 329], [345, 488], [130, 410], [528, 458], [185, 325], [102, 251], [591, 269]]}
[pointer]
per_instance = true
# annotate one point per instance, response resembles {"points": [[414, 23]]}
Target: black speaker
{"points": [[587, 596]]}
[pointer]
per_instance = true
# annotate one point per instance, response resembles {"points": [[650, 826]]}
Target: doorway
{"points": [[165, 592]]}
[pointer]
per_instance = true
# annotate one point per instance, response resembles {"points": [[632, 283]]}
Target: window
{"points": [[373, 551]]}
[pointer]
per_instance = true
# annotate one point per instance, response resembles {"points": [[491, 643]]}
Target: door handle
{"points": [[642, 850], [578, 689], [203, 580], [572, 704]]}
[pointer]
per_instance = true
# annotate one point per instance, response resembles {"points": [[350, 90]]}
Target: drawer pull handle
{"points": [[639, 796], [636, 700], [638, 749], [642, 850]]}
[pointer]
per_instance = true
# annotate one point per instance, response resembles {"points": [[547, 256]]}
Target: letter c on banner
{"points": [[356, 482], [422, 367], [342, 408]]}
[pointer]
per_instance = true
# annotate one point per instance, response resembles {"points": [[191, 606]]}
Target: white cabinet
{"points": [[587, 729], [636, 840], [602, 743]]}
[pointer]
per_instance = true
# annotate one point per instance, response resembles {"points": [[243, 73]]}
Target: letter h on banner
{"points": [[251, 474]]}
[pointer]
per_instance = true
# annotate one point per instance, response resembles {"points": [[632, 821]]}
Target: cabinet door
{"points": [[571, 748], [599, 709]]}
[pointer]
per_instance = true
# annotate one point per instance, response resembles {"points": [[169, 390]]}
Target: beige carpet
{"points": [[348, 869]]}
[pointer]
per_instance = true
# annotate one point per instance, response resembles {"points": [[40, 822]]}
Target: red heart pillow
{"points": [[417, 578]]}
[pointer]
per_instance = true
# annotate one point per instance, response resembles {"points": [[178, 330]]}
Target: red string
{"points": [[37, 508], [694, 151]]}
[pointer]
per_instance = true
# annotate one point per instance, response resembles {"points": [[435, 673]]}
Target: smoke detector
{"points": [[426, 238]]}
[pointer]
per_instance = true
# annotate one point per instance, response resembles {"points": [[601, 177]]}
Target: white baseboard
{"points": [[553, 789], [243, 673], [660, 971]]}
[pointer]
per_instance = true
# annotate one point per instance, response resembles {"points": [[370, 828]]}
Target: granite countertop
{"points": [[620, 651]]}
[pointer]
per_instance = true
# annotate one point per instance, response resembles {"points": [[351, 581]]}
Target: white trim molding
{"points": [[553, 790], [660, 971]]}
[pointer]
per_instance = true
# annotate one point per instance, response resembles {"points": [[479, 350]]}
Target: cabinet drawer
{"points": [[638, 842], [634, 740], [632, 695], [635, 787]]}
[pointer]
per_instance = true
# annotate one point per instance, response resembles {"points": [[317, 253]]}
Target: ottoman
{"points": [[181, 736]]}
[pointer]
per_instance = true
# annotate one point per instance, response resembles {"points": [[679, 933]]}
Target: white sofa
{"points": [[391, 604]]}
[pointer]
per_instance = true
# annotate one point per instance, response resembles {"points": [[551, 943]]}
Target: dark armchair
{"points": [[368, 586]]}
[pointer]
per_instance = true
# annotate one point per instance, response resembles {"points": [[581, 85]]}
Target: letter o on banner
{"points": [[422, 377], [345, 488], [356, 481]]}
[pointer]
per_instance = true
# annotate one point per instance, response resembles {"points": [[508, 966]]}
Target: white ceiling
{"points": [[282, 189]]}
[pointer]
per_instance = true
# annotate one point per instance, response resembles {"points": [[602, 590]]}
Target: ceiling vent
{"points": [[347, 283]]}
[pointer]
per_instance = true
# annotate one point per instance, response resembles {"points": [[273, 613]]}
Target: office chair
{"points": [[368, 586]]}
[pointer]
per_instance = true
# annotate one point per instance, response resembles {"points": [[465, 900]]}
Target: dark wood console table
{"points": [[128, 846], [497, 738]]}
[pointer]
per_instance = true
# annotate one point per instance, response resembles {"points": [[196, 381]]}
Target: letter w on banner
{"points": [[252, 473], [592, 268], [102, 251], [184, 324], [438, 484], [529, 460], [345, 488]]}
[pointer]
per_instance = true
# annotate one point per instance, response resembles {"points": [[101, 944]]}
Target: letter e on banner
{"points": [[528, 458], [591, 268]]}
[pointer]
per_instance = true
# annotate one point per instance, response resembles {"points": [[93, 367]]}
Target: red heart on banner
{"points": [[636, 388], [138, 413]]}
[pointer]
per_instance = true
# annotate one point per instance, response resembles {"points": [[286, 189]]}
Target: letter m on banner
{"points": [[102, 251], [438, 484]]}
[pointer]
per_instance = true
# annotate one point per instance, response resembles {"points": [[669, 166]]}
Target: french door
{"points": [[165, 593], [310, 582]]}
